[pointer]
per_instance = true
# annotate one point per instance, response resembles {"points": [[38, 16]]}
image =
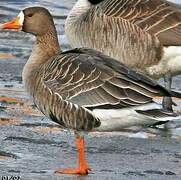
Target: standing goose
{"points": [[143, 34], [82, 89]]}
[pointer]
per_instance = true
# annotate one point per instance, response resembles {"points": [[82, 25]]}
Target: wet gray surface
{"points": [[36, 156], [32, 147]]}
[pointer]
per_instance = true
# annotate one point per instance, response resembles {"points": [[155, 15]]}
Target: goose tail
{"points": [[160, 115], [175, 94], [151, 114]]}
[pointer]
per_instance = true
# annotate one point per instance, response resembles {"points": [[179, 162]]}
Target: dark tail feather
{"points": [[164, 92], [157, 113], [175, 94]]}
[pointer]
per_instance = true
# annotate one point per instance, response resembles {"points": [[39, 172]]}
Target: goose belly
{"points": [[170, 63], [117, 119]]}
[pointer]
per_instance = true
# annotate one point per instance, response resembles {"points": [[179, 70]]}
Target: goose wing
{"points": [[158, 17], [90, 79]]}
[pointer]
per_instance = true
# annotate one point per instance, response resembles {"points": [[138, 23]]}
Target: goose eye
{"points": [[30, 15]]}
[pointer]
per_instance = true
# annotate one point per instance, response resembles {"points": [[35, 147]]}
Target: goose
{"points": [[82, 89], [143, 34]]}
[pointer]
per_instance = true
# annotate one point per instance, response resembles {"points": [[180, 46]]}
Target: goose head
{"points": [[33, 20], [39, 22]]}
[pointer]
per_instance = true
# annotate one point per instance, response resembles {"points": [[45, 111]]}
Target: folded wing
{"points": [[87, 78]]}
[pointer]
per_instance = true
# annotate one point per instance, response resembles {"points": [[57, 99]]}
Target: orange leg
{"points": [[83, 168]]}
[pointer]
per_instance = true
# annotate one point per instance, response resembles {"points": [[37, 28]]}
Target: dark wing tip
{"points": [[157, 113], [175, 94]]}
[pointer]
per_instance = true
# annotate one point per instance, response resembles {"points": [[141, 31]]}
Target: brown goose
{"points": [[82, 89], [143, 34]]}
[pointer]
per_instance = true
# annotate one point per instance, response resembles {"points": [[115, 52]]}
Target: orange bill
{"points": [[14, 24]]}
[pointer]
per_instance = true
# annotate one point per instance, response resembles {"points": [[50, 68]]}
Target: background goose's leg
{"points": [[167, 101], [83, 168]]}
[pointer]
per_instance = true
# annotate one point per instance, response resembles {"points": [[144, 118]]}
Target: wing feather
{"points": [[157, 17], [95, 80]]}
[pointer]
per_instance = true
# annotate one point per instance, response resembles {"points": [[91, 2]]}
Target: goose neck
{"points": [[79, 8], [45, 47], [48, 44]]}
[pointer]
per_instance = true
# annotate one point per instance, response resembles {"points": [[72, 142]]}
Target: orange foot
{"points": [[82, 171]]}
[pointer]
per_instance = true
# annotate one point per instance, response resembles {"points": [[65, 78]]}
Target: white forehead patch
{"points": [[21, 18]]}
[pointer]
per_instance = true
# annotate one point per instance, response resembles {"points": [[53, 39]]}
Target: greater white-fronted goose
{"points": [[143, 34], [82, 89]]}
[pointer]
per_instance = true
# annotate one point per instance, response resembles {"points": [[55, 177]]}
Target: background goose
{"points": [[82, 89], [145, 35]]}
